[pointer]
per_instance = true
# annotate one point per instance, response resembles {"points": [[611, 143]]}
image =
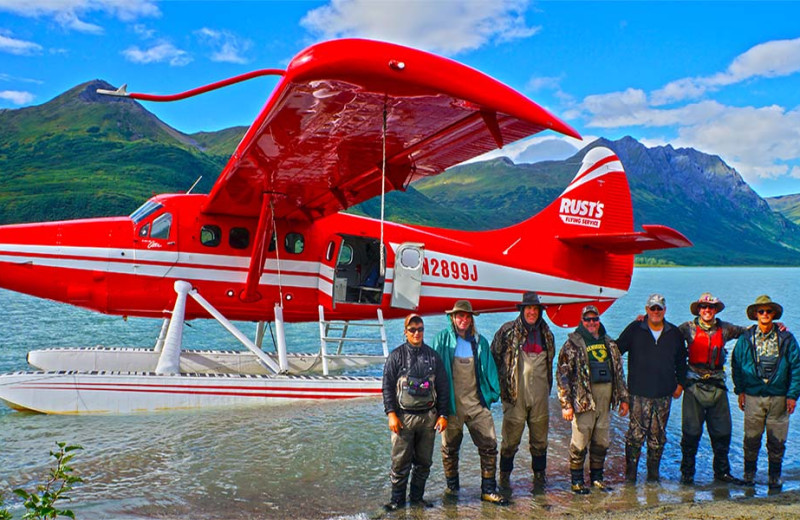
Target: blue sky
{"points": [[722, 77]]}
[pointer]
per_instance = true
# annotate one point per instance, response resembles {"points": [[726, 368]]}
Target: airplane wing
{"points": [[317, 146], [633, 243]]}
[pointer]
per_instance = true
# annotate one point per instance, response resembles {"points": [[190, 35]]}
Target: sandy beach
{"points": [[777, 507]]}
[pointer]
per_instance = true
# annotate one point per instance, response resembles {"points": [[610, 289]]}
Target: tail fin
{"points": [[586, 217], [592, 223]]}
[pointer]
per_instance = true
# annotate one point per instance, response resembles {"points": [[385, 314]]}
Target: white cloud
{"points": [[18, 47], [758, 142], [70, 14], [445, 26], [160, 53], [228, 48], [16, 96], [767, 60]]}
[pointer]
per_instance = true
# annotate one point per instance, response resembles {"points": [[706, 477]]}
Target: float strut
{"points": [[169, 362], [280, 338]]}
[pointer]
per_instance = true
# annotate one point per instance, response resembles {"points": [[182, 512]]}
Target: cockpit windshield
{"points": [[146, 209]]}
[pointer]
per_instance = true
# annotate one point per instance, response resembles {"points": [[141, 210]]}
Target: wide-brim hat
{"points": [[708, 299], [529, 298], [462, 306], [764, 301]]}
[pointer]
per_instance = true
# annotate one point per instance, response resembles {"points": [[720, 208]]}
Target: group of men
{"points": [[454, 383]]}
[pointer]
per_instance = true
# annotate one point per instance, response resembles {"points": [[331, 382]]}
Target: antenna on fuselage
{"points": [[195, 184]]}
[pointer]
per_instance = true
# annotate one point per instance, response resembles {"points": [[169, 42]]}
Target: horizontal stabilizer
{"points": [[631, 243]]}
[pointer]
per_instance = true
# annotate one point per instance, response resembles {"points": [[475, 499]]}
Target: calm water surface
{"points": [[331, 460]]}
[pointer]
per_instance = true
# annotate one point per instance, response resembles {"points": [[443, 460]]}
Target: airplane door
{"points": [[407, 275]]}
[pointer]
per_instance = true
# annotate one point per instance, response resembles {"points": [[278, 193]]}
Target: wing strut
{"points": [[262, 238]]}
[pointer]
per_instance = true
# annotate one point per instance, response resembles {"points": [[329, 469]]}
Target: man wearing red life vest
{"points": [[705, 398]]}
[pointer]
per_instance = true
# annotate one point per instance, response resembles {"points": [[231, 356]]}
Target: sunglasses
{"points": [[765, 311], [656, 308], [703, 306], [414, 330], [592, 319]]}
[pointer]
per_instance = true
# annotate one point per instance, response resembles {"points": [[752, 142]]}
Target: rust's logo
{"points": [[581, 212]]}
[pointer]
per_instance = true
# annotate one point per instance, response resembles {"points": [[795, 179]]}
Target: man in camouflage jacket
{"points": [[523, 351], [590, 382]]}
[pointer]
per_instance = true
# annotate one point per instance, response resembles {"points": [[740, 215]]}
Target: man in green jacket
{"points": [[766, 377], [474, 386]]}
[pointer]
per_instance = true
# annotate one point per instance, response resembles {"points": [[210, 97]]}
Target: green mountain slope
{"points": [[83, 155], [787, 205]]}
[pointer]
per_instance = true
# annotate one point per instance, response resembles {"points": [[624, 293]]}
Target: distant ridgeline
{"points": [[85, 155]]}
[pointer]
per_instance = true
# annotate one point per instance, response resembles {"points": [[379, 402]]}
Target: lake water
{"points": [[332, 460]]}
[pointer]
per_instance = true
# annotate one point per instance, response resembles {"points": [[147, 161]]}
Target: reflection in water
{"points": [[332, 460]]}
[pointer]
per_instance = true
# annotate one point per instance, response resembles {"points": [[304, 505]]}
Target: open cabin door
{"points": [[357, 274], [407, 275]]}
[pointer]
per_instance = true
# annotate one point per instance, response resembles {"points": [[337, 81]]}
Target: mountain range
{"points": [[83, 154]]}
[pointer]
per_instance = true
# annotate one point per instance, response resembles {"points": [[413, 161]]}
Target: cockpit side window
{"points": [[161, 226], [144, 211]]}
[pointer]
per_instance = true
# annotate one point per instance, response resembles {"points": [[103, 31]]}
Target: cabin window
{"points": [[161, 226], [272, 242], [294, 243], [239, 238], [145, 230], [144, 211], [345, 254], [329, 252], [210, 235]]}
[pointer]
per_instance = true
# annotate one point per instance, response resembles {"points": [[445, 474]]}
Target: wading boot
{"points": [[539, 480], [774, 482], [397, 500], [578, 485], [415, 496], [506, 465], [632, 454], [504, 482], [489, 492], [654, 465], [722, 466], [538, 465], [452, 486], [689, 445], [596, 477], [749, 476]]}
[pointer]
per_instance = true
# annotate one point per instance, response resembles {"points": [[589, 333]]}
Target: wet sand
{"points": [[778, 507]]}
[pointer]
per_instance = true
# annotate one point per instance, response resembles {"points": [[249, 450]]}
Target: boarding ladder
{"points": [[334, 332]]}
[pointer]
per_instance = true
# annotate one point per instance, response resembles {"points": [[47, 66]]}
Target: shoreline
{"points": [[783, 505]]}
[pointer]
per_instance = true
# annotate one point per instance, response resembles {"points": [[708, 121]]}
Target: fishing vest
{"points": [[599, 364], [705, 349], [416, 391]]}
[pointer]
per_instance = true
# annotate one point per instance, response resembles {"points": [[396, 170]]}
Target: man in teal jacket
{"points": [[474, 386], [766, 377]]}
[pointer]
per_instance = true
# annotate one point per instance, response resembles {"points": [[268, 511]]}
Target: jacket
{"points": [[392, 370], [507, 342], [785, 380], [485, 369], [654, 369], [574, 374]]}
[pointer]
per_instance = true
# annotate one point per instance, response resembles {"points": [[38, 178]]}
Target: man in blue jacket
{"points": [[474, 386], [766, 377]]}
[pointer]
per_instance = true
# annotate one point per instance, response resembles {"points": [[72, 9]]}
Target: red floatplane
{"points": [[349, 120]]}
